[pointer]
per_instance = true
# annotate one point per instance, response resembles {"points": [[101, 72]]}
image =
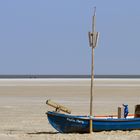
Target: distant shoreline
{"points": [[66, 76]]}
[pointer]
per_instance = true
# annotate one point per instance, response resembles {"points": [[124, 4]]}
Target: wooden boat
{"points": [[65, 123]]}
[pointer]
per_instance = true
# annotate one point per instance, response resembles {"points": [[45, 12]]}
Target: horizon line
{"points": [[12, 76]]}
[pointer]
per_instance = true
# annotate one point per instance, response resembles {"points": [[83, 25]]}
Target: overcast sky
{"points": [[51, 36]]}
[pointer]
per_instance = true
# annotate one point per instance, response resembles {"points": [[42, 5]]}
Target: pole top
{"points": [[94, 11]]}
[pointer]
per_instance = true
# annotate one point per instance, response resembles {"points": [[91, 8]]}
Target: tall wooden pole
{"points": [[93, 37], [92, 90]]}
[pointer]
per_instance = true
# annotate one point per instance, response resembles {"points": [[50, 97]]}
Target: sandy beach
{"points": [[23, 107]]}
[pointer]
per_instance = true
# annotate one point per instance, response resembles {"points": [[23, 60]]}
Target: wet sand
{"points": [[22, 106]]}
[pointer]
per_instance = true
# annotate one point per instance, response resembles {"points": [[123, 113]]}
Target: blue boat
{"points": [[65, 123]]}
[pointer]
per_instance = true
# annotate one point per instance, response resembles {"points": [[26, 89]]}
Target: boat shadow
{"points": [[43, 132]]}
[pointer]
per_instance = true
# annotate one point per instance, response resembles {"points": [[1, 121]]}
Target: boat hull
{"points": [[80, 124]]}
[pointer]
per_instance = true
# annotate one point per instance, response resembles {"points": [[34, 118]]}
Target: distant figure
{"points": [[125, 110]]}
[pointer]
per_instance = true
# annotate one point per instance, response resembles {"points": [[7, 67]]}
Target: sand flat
{"points": [[22, 106]]}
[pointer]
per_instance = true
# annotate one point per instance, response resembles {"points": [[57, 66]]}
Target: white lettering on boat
{"points": [[75, 120]]}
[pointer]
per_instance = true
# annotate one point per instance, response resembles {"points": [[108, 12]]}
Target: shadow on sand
{"points": [[39, 133]]}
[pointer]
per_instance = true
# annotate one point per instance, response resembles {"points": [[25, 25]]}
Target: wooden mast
{"points": [[93, 38]]}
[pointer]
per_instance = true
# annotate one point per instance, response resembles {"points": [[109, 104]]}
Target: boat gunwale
{"points": [[94, 118]]}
